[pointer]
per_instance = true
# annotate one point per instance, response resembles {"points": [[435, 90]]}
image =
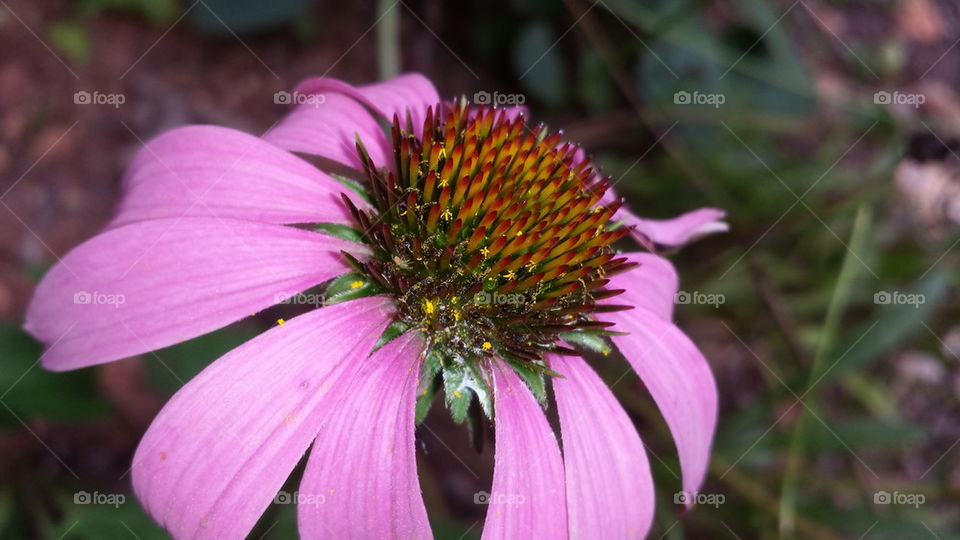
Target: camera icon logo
{"points": [[282, 98], [882, 97], [882, 298], [82, 98], [82, 298], [681, 298], [82, 497], [682, 98], [481, 497], [482, 298], [482, 98], [881, 497], [682, 497], [283, 498]]}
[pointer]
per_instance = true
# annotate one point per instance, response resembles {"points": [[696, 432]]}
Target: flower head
{"points": [[473, 249]]}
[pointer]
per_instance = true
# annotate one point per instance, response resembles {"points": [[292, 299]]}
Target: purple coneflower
{"points": [[469, 252]]}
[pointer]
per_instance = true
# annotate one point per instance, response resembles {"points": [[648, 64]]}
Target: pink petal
{"points": [[675, 231], [653, 285], [361, 479], [208, 171], [151, 284], [408, 92], [215, 456], [681, 229], [329, 129], [679, 379], [609, 487], [669, 232], [528, 498]]}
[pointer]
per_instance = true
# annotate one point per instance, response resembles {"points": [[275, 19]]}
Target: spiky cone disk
{"points": [[491, 235]]}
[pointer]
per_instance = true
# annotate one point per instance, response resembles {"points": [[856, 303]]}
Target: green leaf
{"points": [[594, 83], [226, 17], [71, 38], [427, 389], [353, 186], [590, 340], [96, 521], [168, 369], [461, 382], [349, 287], [892, 325], [457, 393], [533, 376], [395, 330], [539, 66], [153, 11], [867, 433], [343, 232], [31, 391], [6, 510]]}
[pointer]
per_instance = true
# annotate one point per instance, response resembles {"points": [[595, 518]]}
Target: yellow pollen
{"points": [[429, 307], [280, 322], [487, 345], [530, 266], [356, 284], [510, 275], [457, 395], [446, 215], [485, 252]]}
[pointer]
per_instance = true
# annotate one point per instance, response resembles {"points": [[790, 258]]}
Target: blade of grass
{"points": [[388, 39], [850, 270]]}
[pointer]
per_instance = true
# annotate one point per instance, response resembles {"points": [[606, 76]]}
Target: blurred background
{"points": [[827, 129]]}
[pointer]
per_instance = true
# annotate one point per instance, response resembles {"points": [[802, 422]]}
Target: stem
{"points": [[388, 39], [849, 271]]}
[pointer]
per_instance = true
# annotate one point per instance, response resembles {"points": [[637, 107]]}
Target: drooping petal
{"points": [[681, 229], [215, 456], [680, 381], [671, 232], [361, 479], [408, 92], [328, 124], [151, 284], [208, 171], [653, 285], [609, 488], [528, 498]]}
